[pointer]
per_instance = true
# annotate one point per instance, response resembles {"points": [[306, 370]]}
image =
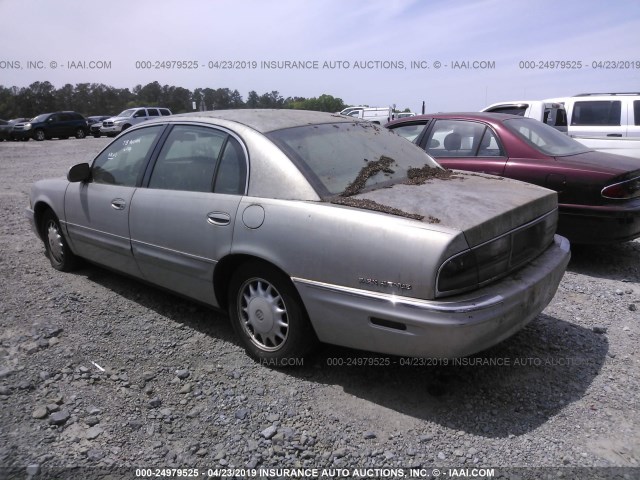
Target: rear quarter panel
{"points": [[347, 247]]}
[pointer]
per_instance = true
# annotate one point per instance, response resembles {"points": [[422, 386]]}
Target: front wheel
{"points": [[80, 133], [56, 246], [268, 316], [39, 135]]}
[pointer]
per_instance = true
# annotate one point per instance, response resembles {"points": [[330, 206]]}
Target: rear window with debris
{"points": [[334, 156]]}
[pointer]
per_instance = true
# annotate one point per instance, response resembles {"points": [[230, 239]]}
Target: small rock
{"points": [[135, 424], [186, 388], [155, 402], [599, 330], [425, 438], [93, 432], [269, 432], [53, 407], [4, 390], [94, 455], [91, 421], [441, 455], [273, 417], [339, 453], [33, 470], [242, 413], [59, 418], [182, 374], [633, 307], [53, 341], [369, 435], [40, 412]]}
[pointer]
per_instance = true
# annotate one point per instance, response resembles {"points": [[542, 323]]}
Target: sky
{"points": [[454, 55]]}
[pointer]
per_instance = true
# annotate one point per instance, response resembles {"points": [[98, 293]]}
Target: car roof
{"points": [[485, 116], [267, 120]]}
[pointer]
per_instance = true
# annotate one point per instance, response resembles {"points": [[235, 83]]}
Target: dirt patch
{"points": [[418, 176], [368, 171], [377, 207]]}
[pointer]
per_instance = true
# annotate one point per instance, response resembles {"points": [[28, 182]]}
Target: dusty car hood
{"points": [[481, 206]]}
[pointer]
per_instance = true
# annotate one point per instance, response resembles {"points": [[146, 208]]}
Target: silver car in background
{"points": [[310, 226]]}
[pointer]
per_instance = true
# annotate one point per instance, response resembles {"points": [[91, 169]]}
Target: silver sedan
{"points": [[310, 227]]}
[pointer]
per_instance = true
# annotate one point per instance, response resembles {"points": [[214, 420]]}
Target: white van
{"points": [[596, 115]]}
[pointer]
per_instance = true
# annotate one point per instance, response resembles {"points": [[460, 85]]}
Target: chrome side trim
{"points": [[479, 303], [88, 229], [175, 252]]}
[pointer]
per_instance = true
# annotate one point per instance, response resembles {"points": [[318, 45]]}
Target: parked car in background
{"points": [[6, 127], [93, 119], [51, 125], [399, 115], [598, 193], [587, 118], [95, 123], [551, 113], [132, 116], [379, 115], [609, 115], [336, 230]]}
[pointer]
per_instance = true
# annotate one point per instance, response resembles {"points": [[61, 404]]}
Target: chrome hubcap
{"points": [[55, 242], [263, 314]]}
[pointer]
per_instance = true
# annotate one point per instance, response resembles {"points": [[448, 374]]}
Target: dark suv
{"points": [[49, 125]]}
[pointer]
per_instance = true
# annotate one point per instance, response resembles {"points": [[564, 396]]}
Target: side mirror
{"points": [[79, 173]]}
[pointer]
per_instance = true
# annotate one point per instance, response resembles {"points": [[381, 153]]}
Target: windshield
{"points": [[126, 113], [334, 156], [544, 138]]}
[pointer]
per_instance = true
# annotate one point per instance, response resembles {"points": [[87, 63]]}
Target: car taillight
{"points": [[483, 264], [623, 190]]}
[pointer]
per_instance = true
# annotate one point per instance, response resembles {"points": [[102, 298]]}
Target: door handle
{"points": [[118, 203], [614, 135], [218, 218]]}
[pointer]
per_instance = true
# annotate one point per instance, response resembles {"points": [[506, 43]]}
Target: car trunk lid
{"points": [[483, 207]]}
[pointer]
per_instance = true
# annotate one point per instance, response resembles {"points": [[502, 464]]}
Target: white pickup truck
{"points": [[607, 122], [379, 115]]}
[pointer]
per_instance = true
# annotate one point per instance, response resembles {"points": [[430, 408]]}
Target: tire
{"points": [[80, 133], [39, 135], [260, 296], [56, 246], [124, 127], [96, 136]]}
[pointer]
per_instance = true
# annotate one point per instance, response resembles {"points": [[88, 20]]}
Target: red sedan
{"points": [[598, 193]]}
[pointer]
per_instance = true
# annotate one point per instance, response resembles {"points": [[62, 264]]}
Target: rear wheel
{"points": [[268, 316], [39, 135], [56, 246]]}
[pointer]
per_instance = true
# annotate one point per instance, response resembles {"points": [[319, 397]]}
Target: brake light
{"points": [[623, 190]]}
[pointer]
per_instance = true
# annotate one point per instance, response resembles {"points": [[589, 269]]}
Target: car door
{"points": [[182, 222], [465, 145], [97, 211]]}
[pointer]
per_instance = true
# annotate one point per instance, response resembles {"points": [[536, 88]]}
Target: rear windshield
{"points": [[332, 156], [544, 138]]}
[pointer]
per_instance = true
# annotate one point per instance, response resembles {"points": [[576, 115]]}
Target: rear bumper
{"points": [[600, 224], [454, 327]]}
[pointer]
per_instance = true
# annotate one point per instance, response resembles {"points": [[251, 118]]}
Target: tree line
{"points": [[99, 99]]}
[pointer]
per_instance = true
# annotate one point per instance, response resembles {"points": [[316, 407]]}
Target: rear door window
{"points": [[596, 113]]}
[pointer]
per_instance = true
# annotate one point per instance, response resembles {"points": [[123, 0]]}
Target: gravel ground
{"points": [[100, 371]]}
